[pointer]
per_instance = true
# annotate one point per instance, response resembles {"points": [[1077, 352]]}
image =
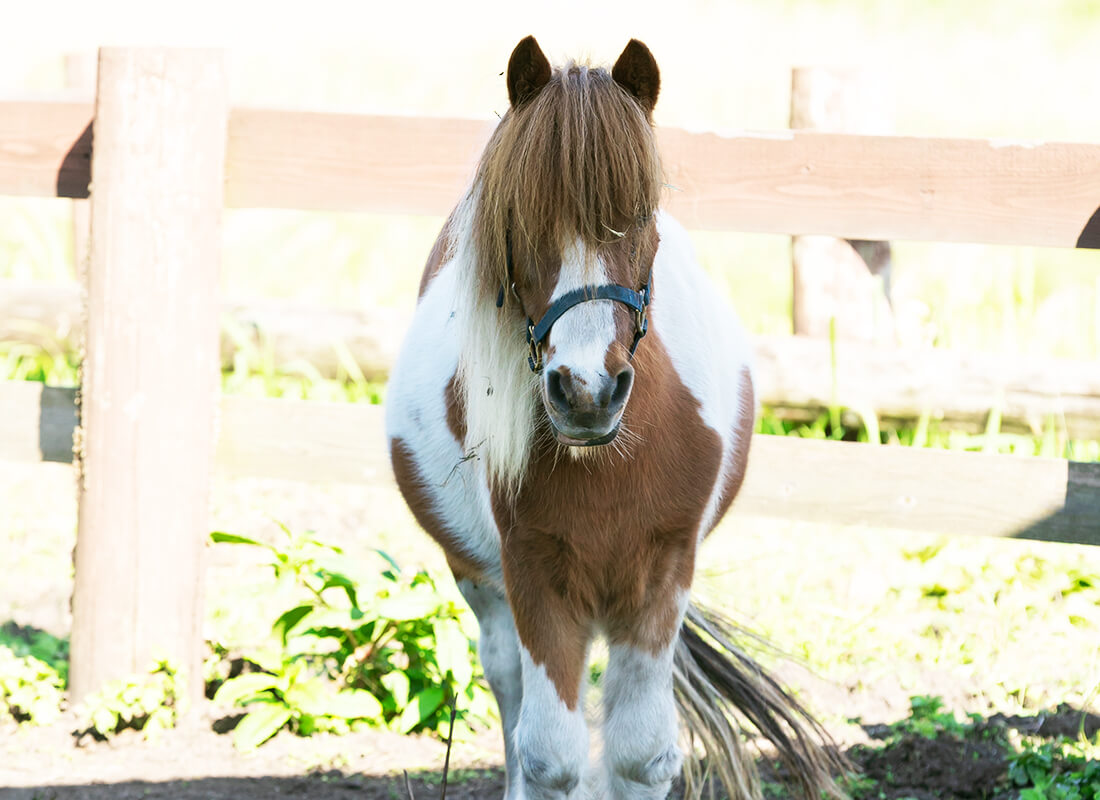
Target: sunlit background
{"points": [[1010, 69]]}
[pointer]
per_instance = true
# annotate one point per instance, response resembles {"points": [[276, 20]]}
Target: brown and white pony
{"points": [[569, 417]]}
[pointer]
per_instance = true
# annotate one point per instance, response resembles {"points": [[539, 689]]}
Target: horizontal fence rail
{"points": [[867, 187], [838, 483], [794, 375]]}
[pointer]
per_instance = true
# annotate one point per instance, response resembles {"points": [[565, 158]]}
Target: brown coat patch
{"points": [[609, 541], [456, 410], [437, 257]]}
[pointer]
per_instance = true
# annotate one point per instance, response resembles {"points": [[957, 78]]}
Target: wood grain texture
{"points": [[856, 187], [883, 187], [345, 162], [150, 375], [946, 492], [829, 482], [45, 148]]}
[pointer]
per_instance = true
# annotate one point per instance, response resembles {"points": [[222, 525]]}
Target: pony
{"points": [[569, 416]]}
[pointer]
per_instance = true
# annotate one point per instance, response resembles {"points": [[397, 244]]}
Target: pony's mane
{"points": [[577, 163]]}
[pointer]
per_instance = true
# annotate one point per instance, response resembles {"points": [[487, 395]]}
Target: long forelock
{"points": [[577, 163]]}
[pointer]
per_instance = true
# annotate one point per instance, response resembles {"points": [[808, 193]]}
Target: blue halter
{"points": [[538, 331]]}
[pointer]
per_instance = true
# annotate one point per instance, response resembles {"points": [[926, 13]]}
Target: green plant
{"points": [[149, 703], [34, 668], [357, 648], [20, 361], [1055, 771], [256, 372], [30, 689], [929, 719]]}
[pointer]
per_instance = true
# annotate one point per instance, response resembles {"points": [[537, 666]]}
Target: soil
{"points": [[197, 763]]}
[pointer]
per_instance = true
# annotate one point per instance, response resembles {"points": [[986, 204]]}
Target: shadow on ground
{"points": [[318, 786], [965, 762]]}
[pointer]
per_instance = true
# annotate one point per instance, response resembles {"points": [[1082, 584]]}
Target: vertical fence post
{"points": [[80, 76], [150, 379], [843, 279]]}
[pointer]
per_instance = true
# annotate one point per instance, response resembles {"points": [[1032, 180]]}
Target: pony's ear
{"points": [[636, 71], [528, 71]]}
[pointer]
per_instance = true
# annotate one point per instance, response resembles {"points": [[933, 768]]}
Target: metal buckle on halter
{"points": [[534, 356], [641, 328]]}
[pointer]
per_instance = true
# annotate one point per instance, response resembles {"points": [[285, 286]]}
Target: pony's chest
{"points": [[616, 499]]}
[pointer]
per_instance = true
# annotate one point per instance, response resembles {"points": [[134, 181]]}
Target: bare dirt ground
{"points": [[879, 619], [196, 763]]}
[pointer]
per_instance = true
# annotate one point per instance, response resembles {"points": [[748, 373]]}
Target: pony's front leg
{"points": [[551, 737], [498, 650], [641, 750]]}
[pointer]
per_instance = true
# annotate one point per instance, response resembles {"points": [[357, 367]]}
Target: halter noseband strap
{"points": [[639, 301], [537, 332]]}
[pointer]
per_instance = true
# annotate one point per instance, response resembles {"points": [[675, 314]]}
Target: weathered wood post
{"points": [[843, 279], [150, 381], [80, 77]]}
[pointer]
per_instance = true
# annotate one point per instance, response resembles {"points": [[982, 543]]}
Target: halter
{"points": [[538, 331]]}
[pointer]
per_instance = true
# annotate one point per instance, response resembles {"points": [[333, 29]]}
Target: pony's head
{"points": [[564, 229]]}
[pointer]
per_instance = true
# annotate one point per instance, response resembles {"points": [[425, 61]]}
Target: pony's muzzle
{"points": [[584, 412]]}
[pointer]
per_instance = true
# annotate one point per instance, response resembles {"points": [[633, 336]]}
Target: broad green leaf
{"points": [[268, 658], [289, 620], [307, 725], [152, 698], [333, 579], [357, 704], [407, 605], [422, 706], [389, 559], [244, 687], [316, 642], [333, 618], [312, 696], [260, 725], [397, 683], [220, 537], [104, 720], [452, 652]]}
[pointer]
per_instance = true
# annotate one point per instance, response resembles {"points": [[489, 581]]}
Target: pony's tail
{"points": [[717, 684]]}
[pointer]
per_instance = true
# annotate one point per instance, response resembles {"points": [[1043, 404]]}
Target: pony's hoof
{"points": [[545, 779], [661, 768]]}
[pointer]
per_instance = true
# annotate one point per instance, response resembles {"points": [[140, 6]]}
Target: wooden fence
{"points": [[169, 154]]}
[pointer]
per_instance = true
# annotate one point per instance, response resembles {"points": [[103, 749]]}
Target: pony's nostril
{"points": [[623, 382], [556, 389]]}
